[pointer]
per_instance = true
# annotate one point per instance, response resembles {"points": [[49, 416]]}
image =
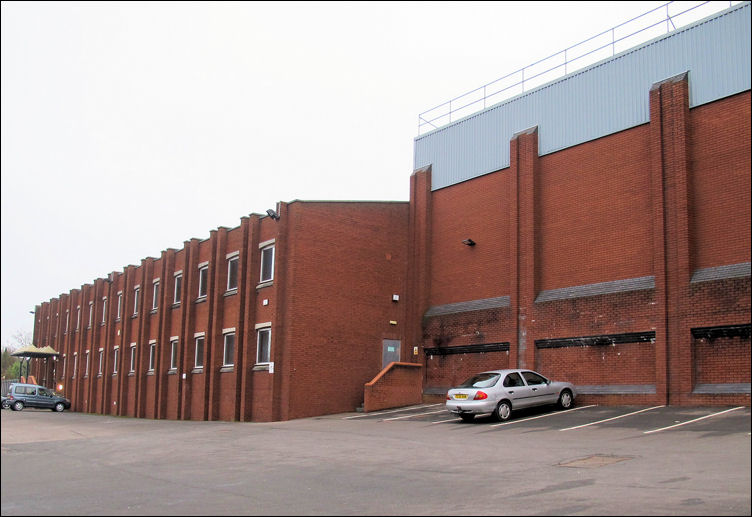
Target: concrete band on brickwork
{"points": [[617, 389], [720, 389], [472, 305], [740, 270], [582, 291]]}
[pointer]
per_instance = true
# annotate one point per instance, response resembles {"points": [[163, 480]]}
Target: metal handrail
{"points": [[448, 108]]}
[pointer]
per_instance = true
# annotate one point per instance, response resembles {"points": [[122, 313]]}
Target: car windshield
{"points": [[482, 380]]}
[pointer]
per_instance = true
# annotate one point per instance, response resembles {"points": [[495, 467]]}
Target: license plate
{"points": [[460, 396]]}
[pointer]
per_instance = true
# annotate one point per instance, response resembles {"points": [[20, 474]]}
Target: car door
{"points": [[45, 398], [520, 393], [30, 398], [541, 391]]}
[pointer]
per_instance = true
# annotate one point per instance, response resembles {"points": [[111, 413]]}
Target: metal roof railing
{"points": [[649, 25]]}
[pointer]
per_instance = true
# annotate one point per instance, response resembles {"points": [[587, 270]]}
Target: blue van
{"points": [[32, 395]]}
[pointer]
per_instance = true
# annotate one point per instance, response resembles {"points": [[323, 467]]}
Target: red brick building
{"points": [[595, 229], [608, 217], [282, 317]]}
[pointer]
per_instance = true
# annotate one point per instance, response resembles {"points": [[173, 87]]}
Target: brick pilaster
{"points": [[418, 261], [523, 163], [669, 119]]}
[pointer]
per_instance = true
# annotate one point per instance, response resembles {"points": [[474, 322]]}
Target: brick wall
{"points": [[397, 385], [343, 270], [601, 241]]}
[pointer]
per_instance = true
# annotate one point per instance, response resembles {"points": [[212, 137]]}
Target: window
{"points": [[267, 264], [67, 320], [263, 344], [65, 363], [229, 353], [115, 360], [512, 380], [133, 358], [232, 272], [78, 317], [178, 287], [203, 278], [75, 364], [86, 371], [174, 354], [136, 290], [533, 378], [104, 310], [91, 314], [119, 304], [101, 361], [152, 355], [155, 298], [199, 352]]}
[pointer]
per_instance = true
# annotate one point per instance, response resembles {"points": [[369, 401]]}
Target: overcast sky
{"points": [[128, 128]]}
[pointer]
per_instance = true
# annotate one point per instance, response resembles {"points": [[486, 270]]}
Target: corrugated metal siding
{"points": [[605, 98]]}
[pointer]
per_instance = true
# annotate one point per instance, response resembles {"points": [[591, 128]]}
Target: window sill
{"points": [[117, 320], [231, 292], [202, 299], [176, 305], [150, 372], [134, 316], [114, 374], [101, 324], [198, 370], [131, 374], [260, 367], [153, 311], [227, 368], [99, 376], [172, 372], [268, 283]]}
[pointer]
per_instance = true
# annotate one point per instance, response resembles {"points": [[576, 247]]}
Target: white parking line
{"points": [[694, 420], [609, 419], [445, 421], [416, 414], [543, 416], [392, 411]]}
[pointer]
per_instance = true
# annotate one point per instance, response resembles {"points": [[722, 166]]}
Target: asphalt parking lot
{"points": [[590, 460]]}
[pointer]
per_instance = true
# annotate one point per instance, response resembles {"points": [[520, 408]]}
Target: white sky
{"points": [[128, 128]]}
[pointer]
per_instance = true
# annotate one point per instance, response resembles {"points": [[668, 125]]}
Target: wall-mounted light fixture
{"points": [[468, 242], [274, 215]]}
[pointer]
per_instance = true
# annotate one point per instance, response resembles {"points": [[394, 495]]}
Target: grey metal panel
{"points": [[581, 291], [740, 270], [607, 97]]}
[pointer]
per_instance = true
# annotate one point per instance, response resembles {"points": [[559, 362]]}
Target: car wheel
{"points": [[17, 405], [59, 407], [6, 404], [503, 411], [565, 399], [467, 417]]}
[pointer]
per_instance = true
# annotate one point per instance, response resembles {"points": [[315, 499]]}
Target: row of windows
{"points": [[263, 349], [267, 275]]}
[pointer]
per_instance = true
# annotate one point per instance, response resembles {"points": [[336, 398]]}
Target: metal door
{"points": [[390, 352]]}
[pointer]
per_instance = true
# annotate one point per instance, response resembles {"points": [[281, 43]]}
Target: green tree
{"points": [[10, 364], [13, 371]]}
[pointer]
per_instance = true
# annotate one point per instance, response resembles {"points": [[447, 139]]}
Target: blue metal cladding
{"points": [[610, 96]]}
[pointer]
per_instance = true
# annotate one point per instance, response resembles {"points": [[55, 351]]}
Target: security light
{"points": [[468, 242], [274, 215]]}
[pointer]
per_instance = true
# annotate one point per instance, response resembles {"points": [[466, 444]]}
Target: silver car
{"points": [[498, 392]]}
